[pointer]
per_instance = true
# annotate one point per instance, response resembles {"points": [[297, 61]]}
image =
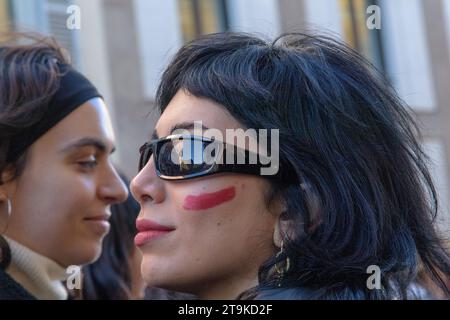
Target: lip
{"points": [[100, 217], [99, 224], [149, 230]]}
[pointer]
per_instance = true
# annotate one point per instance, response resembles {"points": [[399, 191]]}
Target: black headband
{"points": [[74, 90]]}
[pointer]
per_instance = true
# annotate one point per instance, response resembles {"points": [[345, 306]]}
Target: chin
{"points": [[163, 277], [89, 254], [152, 275]]}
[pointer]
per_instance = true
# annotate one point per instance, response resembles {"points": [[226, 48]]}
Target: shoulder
{"points": [[11, 290]]}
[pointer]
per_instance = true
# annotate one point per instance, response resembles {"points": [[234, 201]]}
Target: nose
{"points": [[113, 189], [147, 186]]}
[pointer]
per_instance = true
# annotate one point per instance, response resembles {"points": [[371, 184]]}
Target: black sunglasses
{"points": [[204, 157]]}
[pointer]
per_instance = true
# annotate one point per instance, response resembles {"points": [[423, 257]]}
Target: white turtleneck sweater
{"points": [[38, 274]]}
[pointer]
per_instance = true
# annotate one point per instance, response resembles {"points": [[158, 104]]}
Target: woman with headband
{"points": [[57, 179]]}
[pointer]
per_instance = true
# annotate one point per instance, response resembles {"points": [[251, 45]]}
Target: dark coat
{"points": [[11, 290]]}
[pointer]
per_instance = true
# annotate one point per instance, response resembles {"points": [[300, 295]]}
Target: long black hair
{"points": [[353, 145]]}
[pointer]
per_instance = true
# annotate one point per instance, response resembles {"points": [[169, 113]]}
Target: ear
{"points": [[7, 174], [280, 230], [313, 205], [278, 208], [280, 225], [284, 227], [277, 234]]}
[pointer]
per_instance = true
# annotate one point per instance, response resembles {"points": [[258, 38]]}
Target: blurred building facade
{"points": [[123, 46]]}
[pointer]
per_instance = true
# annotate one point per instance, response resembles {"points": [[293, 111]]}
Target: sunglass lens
{"points": [[146, 153], [184, 157]]}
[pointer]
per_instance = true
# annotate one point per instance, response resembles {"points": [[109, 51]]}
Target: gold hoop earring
{"points": [[284, 268]]}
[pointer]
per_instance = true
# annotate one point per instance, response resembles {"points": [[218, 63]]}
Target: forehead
{"points": [[185, 107], [91, 119]]}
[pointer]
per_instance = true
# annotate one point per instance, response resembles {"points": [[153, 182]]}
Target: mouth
{"points": [[149, 230], [99, 224], [100, 217]]}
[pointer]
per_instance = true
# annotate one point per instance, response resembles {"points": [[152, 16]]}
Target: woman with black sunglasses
{"points": [[352, 196], [57, 180]]}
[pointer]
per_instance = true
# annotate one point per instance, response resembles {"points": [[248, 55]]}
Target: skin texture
{"points": [[137, 282], [213, 252], [62, 186]]}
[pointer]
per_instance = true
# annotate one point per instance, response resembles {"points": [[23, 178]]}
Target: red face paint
{"points": [[209, 200]]}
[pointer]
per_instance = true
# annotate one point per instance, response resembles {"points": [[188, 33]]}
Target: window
{"points": [[5, 15], [56, 26], [355, 32], [200, 17], [47, 17], [399, 48]]}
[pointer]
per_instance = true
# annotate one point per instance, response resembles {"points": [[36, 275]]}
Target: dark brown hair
{"points": [[29, 77]]}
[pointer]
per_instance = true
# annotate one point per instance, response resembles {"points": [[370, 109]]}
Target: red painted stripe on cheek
{"points": [[209, 200]]}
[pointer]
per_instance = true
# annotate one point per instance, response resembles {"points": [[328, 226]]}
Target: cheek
{"points": [[210, 200], [57, 196], [218, 207], [226, 215]]}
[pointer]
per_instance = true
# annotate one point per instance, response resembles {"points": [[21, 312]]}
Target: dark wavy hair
{"points": [[364, 197], [29, 78]]}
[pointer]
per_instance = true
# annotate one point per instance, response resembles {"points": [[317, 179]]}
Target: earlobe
{"points": [[278, 208], [279, 232], [277, 235]]}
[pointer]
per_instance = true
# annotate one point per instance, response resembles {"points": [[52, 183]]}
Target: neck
{"points": [[41, 276], [227, 289]]}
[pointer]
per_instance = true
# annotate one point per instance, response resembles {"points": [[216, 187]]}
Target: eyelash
{"points": [[88, 164]]}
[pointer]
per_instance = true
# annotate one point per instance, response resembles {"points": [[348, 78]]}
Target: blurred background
{"points": [[124, 45]]}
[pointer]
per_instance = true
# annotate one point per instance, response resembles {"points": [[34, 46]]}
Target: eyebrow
{"points": [[87, 142], [182, 125]]}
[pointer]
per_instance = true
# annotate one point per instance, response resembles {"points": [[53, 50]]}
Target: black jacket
{"points": [[11, 290]]}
